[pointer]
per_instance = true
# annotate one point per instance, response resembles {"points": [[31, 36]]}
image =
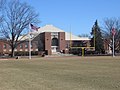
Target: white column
{"points": [[29, 45], [113, 47]]}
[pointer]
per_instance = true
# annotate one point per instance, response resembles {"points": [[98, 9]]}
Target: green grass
{"points": [[70, 73]]}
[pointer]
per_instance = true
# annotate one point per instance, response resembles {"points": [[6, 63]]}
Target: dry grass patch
{"points": [[65, 73]]}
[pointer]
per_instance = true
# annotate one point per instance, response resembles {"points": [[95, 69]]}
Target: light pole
{"points": [[113, 47], [113, 34]]}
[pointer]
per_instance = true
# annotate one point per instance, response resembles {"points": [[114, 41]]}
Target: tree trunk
{"points": [[12, 52]]}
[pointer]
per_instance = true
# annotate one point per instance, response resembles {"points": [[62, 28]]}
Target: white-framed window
{"points": [[26, 45], [31, 45], [21, 46], [4, 46]]}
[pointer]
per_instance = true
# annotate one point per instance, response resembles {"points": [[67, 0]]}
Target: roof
{"points": [[68, 36], [51, 28]]}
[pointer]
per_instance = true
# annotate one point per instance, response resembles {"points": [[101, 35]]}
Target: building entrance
{"points": [[54, 49], [54, 46]]}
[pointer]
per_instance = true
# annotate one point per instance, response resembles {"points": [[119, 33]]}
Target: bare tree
{"points": [[109, 24], [17, 18], [2, 2]]}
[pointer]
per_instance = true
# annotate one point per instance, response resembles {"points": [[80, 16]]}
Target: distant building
{"points": [[49, 39]]}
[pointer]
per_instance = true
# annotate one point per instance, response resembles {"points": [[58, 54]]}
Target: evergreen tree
{"points": [[97, 39]]}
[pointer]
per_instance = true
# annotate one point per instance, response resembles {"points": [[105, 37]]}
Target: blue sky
{"points": [[80, 15]]}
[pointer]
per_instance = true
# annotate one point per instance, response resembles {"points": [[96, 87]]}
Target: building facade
{"points": [[48, 39]]}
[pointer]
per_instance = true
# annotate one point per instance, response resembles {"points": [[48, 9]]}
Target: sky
{"points": [[77, 16]]}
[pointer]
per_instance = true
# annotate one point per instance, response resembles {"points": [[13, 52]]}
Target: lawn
{"points": [[62, 73]]}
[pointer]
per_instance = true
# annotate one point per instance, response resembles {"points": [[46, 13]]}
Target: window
{"points": [[21, 46], [54, 33], [4, 46], [26, 45], [54, 42]]}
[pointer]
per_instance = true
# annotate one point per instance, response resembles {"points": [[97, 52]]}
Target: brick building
{"points": [[49, 39]]}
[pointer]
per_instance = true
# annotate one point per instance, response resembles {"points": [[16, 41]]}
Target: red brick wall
{"points": [[62, 42], [48, 42], [7, 49], [1, 47]]}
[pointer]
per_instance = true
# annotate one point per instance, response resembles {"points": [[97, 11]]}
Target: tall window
{"points": [[54, 42], [31, 45], [21, 46], [26, 45], [4, 46]]}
